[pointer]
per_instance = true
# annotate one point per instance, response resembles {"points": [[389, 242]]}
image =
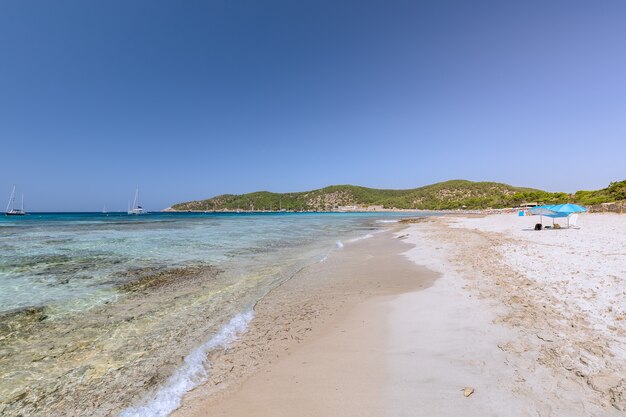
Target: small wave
{"points": [[387, 221], [192, 373], [339, 245], [356, 239], [323, 259]]}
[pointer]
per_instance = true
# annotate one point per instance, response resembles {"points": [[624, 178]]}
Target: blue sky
{"points": [[197, 98]]}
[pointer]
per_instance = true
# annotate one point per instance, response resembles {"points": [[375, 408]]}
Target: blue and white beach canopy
{"points": [[542, 211], [568, 208], [558, 210]]}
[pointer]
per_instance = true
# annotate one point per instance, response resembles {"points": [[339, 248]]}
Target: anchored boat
{"points": [[137, 209], [12, 210]]}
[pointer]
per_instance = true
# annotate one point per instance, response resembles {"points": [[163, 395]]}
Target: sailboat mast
{"points": [[11, 199], [136, 202], [22, 203]]}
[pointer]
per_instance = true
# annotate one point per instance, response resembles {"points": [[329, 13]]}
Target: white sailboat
{"points": [[137, 209], [11, 209], [104, 210]]}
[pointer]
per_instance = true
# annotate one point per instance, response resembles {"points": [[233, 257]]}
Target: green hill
{"points": [[616, 191], [453, 194]]}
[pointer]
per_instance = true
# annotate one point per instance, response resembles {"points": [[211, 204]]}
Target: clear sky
{"points": [[190, 99]]}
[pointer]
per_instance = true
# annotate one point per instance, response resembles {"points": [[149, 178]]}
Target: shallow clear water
{"points": [[72, 323], [75, 259]]}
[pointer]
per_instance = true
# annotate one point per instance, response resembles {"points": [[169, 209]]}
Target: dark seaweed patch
{"points": [[142, 279]]}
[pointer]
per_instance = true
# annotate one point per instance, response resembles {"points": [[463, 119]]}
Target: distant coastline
{"points": [[369, 209], [449, 195]]}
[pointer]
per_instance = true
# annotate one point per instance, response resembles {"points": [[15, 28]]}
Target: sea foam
{"points": [[191, 374], [356, 239]]}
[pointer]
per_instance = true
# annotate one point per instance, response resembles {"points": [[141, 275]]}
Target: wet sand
{"points": [[316, 344]]}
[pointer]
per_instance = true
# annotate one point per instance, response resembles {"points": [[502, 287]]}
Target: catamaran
{"points": [[137, 209], [11, 209]]}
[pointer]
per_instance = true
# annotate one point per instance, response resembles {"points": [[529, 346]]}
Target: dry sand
{"points": [[532, 321], [562, 293]]}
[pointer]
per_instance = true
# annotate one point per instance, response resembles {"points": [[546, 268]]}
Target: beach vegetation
{"points": [[616, 191]]}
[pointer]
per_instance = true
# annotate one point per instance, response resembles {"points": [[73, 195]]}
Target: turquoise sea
{"points": [[69, 278]]}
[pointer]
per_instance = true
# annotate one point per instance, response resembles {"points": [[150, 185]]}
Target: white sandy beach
{"points": [[533, 321], [552, 302]]}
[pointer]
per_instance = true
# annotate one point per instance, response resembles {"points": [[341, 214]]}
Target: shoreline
{"points": [[412, 350], [102, 358], [381, 354], [304, 310]]}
